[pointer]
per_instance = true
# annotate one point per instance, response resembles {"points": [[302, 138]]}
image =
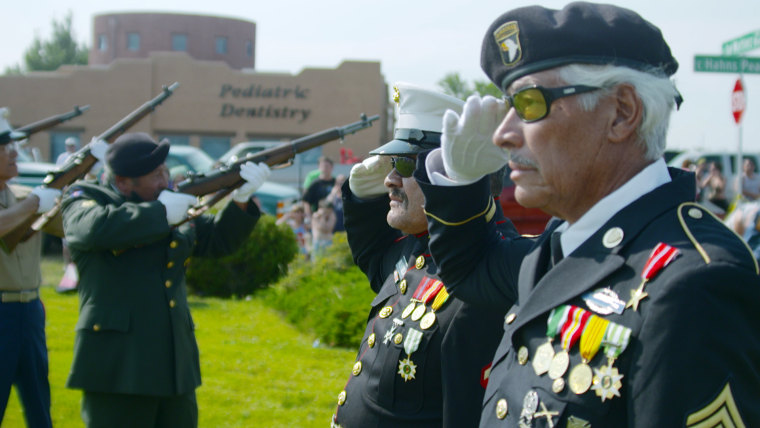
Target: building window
{"points": [[215, 146], [179, 42], [102, 42], [133, 41], [249, 48], [221, 45]]}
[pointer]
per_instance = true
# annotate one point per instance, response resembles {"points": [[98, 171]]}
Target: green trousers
{"points": [[106, 410]]}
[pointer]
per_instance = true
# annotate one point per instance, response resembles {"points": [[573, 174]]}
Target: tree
{"points": [[48, 55], [453, 84]]}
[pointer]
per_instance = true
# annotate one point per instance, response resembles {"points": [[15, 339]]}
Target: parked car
{"points": [[189, 159], [30, 172], [292, 175]]}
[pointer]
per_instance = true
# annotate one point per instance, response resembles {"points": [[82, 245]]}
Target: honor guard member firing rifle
{"points": [[135, 354], [424, 358], [650, 319], [23, 350]]}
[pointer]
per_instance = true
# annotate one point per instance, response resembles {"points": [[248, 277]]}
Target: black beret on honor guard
{"points": [[531, 39], [136, 154]]}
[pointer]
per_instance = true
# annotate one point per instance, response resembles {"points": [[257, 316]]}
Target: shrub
{"points": [[329, 297], [261, 260]]}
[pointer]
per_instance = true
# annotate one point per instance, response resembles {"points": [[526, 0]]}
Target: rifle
{"points": [[49, 122], [77, 166], [227, 178]]}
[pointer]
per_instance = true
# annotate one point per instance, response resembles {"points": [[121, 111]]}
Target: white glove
{"points": [[98, 148], [176, 205], [466, 142], [255, 175], [47, 198], [367, 179]]}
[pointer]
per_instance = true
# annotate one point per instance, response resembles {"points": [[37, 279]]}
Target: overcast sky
{"points": [[420, 41]]}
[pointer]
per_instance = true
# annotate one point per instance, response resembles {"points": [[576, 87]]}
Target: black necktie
{"points": [[556, 248]]}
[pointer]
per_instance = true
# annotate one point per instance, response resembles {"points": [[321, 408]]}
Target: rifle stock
{"points": [[228, 178], [50, 122], [77, 166]]}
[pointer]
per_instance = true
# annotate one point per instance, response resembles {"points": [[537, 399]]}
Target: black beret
{"points": [[531, 39], [135, 154]]}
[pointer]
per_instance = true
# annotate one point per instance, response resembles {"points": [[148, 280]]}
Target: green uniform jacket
{"points": [[135, 334]]}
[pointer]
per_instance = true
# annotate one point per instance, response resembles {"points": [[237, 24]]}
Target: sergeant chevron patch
{"points": [[721, 412]]}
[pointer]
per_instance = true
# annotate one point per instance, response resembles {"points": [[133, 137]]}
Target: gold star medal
{"points": [[660, 257], [581, 376], [406, 367], [607, 380]]}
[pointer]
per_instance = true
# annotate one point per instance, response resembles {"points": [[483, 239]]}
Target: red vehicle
{"points": [[528, 221]]}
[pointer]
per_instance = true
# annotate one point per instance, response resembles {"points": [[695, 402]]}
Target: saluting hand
{"points": [[466, 143], [367, 179]]}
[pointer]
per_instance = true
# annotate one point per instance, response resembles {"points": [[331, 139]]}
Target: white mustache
{"points": [[523, 161]]}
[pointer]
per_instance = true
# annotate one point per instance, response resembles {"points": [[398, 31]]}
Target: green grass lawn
{"points": [[257, 370]]}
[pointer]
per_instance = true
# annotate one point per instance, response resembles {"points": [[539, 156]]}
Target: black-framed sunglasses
{"points": [[404, 165], [532, 103]]}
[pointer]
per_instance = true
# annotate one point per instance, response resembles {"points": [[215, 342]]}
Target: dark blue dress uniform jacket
{"points": [[694, 353], [453, 354], [135, 334]]}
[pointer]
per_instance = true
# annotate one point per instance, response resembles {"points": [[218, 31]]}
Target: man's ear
{"points": [[629, 112], [124, 184]]}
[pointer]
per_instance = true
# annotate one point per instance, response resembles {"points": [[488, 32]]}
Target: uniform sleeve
{"points": [[222, 234], [705, 365], [90, 225], [467, 349], [369, 235], [477, 263]]}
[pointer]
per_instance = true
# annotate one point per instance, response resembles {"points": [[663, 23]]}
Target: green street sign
{"points": [[726, 64], [742, 44]]}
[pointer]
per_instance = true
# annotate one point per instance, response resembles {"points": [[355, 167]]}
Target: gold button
{"points": [[173, 244], [558, 385], [96, 327], [501, 408], [522, 355], [386, 312], [371, 340], [171, 303], [170, 265], [342, 398], [357, 368], [695, 213], [168, 283], [510, 318], [420, 262], [398, 338], [402, 286]]}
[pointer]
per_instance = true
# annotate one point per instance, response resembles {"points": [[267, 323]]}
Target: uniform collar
{"points": [[653, 176]]}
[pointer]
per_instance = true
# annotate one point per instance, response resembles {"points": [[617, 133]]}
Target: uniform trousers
{"points": [[108, 410], [24, 360]]}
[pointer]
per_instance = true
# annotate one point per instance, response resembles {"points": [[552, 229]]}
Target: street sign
{"points": [[742, 44], [738, 101], [726, 64]]}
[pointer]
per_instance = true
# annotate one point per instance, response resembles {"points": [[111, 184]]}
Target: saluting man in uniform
{"points": [[23, 349], [650, 319], [135, 354], [423, 361]]}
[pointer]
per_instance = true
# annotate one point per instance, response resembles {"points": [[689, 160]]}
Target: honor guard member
{"points": [[423, 361], [650, 319], [23, 350], [135, 354]]}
